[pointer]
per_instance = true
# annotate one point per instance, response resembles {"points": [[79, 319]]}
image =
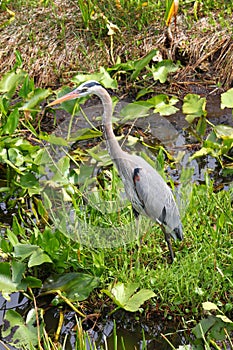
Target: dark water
{"points": [[131, 329]]}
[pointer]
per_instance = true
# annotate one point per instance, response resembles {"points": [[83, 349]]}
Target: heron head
{"points": [[87, 88]]}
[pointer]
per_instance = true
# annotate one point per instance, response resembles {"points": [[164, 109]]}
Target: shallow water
{"points": [[127, 327]]}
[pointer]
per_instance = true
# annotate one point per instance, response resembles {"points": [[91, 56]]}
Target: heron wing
{"points": [[140, 188]]}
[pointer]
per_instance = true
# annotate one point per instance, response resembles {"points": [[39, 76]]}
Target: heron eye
{"points": [[84, 89]]}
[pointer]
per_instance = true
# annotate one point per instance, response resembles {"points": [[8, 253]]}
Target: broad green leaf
{"points": [[53, 139], [18, 269], [142, 63], [218, 331], [125, 297], [161, 70], [203, 152], [37, 96], [85, 134], [77, 286], [165, 109], [38, 257], [106, 79], [203, 327], [227, 99], [10, 81], [143, 92], [16, 157], [23, 251], [62, 169], [224, 132], [12, 237], [122, 292], [134, 303], [194, 106], [135, 110], [23, 335], [7, 286], [31, 282], [11, 123], [102, 77], [28, 180], [122, 67]]}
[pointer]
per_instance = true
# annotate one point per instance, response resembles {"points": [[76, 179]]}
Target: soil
{"points": [[54, 46]]}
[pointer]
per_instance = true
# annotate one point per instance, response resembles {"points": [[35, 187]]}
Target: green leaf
{"points": [[86, 134], [224, 132], [23, 335], [203, 152], [28, 181], [77, 286], [125, 297], [227, 99], [142, 63], [27, 87], [161, 70], [135, 110], [138, 299], [218, 331], [163, 105], [31, 282], [38, 257], [102, 77], [23, 251], [194, 107], [11, 80], [18, 269], [11, 123], [53, 139], [7, 286], [203, 327], [62, 169], [16, 157], [37, 96], [12, 237]]}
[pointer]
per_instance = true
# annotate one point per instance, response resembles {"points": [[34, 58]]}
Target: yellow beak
{"points": [[70, 96]]}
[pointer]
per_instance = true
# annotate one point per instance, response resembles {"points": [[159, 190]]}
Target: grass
{"points": [[202, 270]]}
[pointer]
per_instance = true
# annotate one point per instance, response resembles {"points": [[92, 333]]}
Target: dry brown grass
{"points": [[54, 46]]}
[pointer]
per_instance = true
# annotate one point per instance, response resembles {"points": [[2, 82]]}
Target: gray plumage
{"points": [[144, 187]]}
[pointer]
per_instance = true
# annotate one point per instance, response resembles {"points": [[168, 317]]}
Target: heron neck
{"points": [[112, 143]]}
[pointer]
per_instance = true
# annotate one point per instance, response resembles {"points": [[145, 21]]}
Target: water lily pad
{"points": [[126, 297], [77, 286]]}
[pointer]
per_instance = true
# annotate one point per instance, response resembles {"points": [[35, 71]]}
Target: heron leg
{"points": [[136, 216], [168, 240]]}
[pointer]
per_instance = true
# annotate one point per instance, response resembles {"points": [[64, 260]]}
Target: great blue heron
{"points": [[144, 187]]}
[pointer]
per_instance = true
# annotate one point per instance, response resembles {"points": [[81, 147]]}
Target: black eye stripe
{"points": [[91, 84]]}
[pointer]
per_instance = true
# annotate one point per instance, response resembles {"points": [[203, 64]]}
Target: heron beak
{"points": [[70, 96]]}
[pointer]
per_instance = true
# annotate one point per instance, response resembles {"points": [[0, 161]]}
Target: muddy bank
{"points": [[54, 46]]}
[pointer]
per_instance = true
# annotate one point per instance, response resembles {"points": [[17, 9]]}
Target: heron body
{"points": [[144, 187]]}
